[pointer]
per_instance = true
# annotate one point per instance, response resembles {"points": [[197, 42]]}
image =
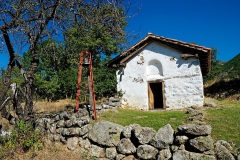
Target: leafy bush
{"points": [[23, 138]]}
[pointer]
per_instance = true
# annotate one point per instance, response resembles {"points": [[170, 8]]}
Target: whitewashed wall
{"points": [[182, 78]]}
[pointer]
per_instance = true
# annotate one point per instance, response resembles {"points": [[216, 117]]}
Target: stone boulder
{"points": [[84, 143], [129, 157], [72, 143], [222, 153], [71, 131], [225, 144], [97, 151], [146, 152], [195, 130], [164, 154], [119, 156], [127, 130], [185, 155], [114, 99], [238, 154], [163, 138], [85, 129], [202, 143], [125, 146], [210, 104], [143, 134], [105, 133], [111, 153]]}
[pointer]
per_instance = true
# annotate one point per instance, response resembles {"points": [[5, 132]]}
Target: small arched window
{"points": [[154, 68]]}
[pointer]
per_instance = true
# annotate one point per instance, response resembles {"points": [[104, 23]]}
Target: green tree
{"points": [[96, 26], [216, 67], [24, 24]]}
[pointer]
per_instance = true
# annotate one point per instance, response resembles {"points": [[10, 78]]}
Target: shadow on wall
{"points": [[190, 63]]}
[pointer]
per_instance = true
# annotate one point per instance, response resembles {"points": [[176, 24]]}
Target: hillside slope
{"points": [[224, 80], [232, 68]]}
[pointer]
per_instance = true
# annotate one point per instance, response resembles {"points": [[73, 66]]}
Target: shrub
{"points": [[23, 138]]}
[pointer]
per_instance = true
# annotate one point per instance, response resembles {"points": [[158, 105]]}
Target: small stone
{"points": [[81, 122], [222, 153], [225, 144], [120, 156], [164, 154], [84, 143], [72, 143], [127, 131], [59, 130], [143, 134], [185, 155], [182, 147], [114, 99], [125, 146], [105, 106], [97, 151], [71, 131], [111, 153], [210, 104], [195, 130], [181, 140], [56, 118], [64, 115], [85, 129], [130, 157], [202, 143], [63, 139], [163, 138], [52, 128], [174, 148], [69, 123], [61, 124], [98, 107], [56, 137], [146, 152]]}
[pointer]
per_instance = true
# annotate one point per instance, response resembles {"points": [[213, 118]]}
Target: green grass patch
{"points": [[153, 119], [225, 121]]}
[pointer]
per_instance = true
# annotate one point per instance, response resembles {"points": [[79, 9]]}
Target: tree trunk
{"points": [[29, 91]]}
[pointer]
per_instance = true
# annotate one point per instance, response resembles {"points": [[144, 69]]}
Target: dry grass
{"points": [[51, 151], [53, 107]]}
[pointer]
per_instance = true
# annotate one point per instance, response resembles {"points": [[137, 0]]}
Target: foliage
{"points": [[221, 71], [98, 28], [93, 25], [22, 138], [56, 76], [232, 68], [216, 66], [22, 25], [154, 119], [104, 80]]}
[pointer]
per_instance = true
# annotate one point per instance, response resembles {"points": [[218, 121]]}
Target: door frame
{"points": [[151, 106]]}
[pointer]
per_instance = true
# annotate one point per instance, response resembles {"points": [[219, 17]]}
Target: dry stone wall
{"points": [[106, 140]]}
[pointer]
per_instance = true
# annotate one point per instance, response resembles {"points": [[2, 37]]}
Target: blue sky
{"points": [[210, 23]]}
